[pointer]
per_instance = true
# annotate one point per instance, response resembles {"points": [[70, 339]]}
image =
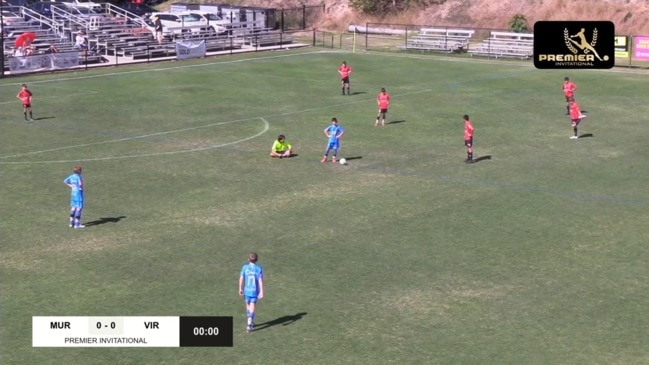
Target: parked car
{"points": [[216, 21], [9, 17], [85, 13], [82, 4], [44, 8], [15, 3], [138, 9], [173, 22]]}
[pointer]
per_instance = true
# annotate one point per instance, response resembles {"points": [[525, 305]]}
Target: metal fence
{"points": [[16, 65], [300, 18], [631, 51]]}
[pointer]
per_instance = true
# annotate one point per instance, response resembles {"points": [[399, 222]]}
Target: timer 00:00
{"points": [[209, 331]]}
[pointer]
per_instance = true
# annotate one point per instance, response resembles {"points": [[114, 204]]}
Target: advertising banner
{"points": [[621, 47], [43, 62], [190, 49], [641, 47]]}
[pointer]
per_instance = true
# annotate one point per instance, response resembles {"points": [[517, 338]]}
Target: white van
{"points": [[213, 20], [174, 24]]}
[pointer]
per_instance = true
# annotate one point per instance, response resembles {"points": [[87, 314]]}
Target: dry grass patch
{"points": [[32, 257]]}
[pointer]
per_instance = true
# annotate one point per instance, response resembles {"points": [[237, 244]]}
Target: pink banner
{"points": [[641, 47]]}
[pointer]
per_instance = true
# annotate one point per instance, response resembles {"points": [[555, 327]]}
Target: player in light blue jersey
{"points": [[75, 182], [333, 132], [251, 287]]}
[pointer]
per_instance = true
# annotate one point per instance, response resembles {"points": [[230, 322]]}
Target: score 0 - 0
{"points": [[106, 326]]}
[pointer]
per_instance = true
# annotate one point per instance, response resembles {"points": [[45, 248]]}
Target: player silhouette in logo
{"points": [[584, 45]]}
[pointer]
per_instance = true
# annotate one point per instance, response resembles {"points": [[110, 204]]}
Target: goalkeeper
{"points": [[281, 148]]}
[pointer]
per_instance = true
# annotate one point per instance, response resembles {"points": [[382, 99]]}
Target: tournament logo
{"points": [[574, 44]]}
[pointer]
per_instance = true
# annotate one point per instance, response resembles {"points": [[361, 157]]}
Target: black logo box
{"points": [[553, 38]]}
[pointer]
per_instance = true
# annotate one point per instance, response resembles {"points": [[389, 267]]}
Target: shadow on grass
{"points": [[104, 220], [481, 158], [358, 92], [587, 135], [291, 156], [353, 158], [44, 118], [284, 321], [396, 122]]}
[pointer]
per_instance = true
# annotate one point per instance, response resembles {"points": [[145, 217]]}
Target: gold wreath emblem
{"points": [[566, 39]]}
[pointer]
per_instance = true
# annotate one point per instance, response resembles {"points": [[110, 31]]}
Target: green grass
{"points": [[404, 256]]}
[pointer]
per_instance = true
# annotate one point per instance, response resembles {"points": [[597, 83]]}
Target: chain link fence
{"points": [[386, 37], [300, 18]]}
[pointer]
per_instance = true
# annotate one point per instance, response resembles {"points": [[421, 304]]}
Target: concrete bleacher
{"points": [[505, 44], [167, 48], [46, 38], [268, 38], [440, 40], [116, 33]]}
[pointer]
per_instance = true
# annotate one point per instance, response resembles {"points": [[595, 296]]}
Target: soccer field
{"points": [[537, 254]]}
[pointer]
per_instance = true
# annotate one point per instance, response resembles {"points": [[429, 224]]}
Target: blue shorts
{"points": [[333, 145], [76, 203], [249, 300]]}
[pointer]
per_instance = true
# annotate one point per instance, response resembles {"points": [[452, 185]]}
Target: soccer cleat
{"points": [[333, 159], [574, 137], [31, 119], [324, 159], [250, 327], [582, 116], [80, 226]]}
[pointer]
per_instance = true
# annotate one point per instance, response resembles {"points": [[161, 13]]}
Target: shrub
{"points": [[518, 24]]}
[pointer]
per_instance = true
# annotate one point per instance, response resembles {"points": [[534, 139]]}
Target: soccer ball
{"points": [[343, 161]]}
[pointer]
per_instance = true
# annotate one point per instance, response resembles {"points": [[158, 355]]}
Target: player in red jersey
{"points": [[468, 138], [26, 97], [344, 70], [575, 117], [383, 99], [569, 88]]}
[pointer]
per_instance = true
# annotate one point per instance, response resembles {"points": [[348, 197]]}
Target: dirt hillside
{"points": [[629, 16]]}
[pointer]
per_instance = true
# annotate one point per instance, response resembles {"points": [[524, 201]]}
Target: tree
{"points": [[518, 24], [382, 7]]}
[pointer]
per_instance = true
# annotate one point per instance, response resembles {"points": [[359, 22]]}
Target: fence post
{"points": [[2, 47], [406, 48], [282, 19], [303, 16], [367, 26], [631, 48]]}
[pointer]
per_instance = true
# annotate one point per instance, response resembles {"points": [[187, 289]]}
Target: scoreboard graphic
{"points": [[132, 331]]}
